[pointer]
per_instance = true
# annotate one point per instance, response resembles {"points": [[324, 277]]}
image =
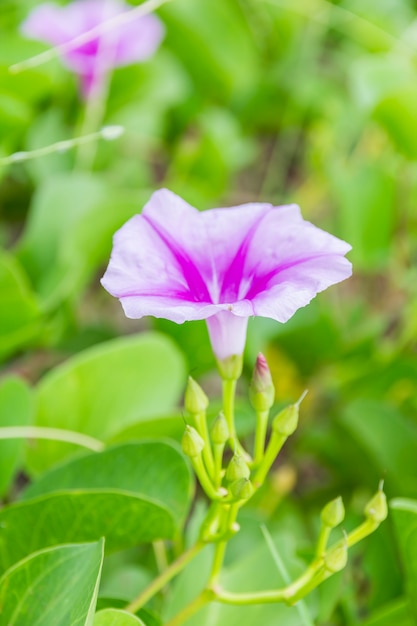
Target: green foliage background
{"points": [[306, 101]]}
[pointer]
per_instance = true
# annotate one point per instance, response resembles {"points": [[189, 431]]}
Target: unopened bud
{"points": [[195, 400], [237, 469], [333, 513], [192, 443], [336, 559], [377, 508], [286, 422], [261, 390], [241, 489], [219, 431]]}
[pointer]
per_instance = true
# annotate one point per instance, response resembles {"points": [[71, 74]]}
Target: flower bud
{"points": [[336, 559], [192, 443], [237, 469], [333, 513], [377, 508], [241, 489], [285, 423], [195, 400], [219, 431], [261, 390]]}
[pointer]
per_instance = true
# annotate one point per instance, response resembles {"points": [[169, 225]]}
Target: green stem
{"points": [[201, 600], [218, 449], [158, 583], [203, 477], [201, 425], [229, 390], [323, 540], [274, 446], [260, 435], [230, 514]]}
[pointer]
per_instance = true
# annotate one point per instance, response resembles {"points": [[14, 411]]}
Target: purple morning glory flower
{"points": [[222, 265], [135, 40]]}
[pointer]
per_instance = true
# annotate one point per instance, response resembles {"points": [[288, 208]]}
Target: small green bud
{"points": [[237, 469], [336, 559], [333, 513], [192, 443], [219, 431], [195, 400], [241, 489], [261, 390], [377, 508], [286, 422]]}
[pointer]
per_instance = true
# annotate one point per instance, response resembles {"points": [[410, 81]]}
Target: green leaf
{"points": [[53, 587], [83, 515], [154, 470], [397, 613], [115, 617], [106, 389], [69, 231], [19, 310], [388, 439], [404, 514], [365, 195], [16, 409], [398, 115]]}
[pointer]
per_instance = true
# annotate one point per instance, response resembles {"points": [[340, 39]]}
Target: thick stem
{"points": [[158, 583], [229, 390], [260, 435]]}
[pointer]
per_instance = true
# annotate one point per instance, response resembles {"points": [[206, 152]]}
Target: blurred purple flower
{"points": [[126, 43], [222, 265]]}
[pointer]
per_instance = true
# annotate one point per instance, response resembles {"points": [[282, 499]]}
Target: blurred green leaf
{"points": [[404, 514], [69, 231], [16, 409], [53, 587], [19, 310], [115, 617], [388, 440], [154, 470], [106, 389], [79, 516], [365, 195], [398, 115], [397, 613]]}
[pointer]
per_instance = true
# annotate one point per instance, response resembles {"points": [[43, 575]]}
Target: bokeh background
{"points": [[306, 101]]}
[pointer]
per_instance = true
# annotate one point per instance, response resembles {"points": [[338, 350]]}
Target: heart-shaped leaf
{"points": [[53, 587], [151, 469], [106, 389]]}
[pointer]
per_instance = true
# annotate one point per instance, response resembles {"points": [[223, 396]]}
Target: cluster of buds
{"points": [[229, 486]]}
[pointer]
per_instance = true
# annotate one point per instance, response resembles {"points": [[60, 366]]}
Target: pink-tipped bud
{"points": [[261, 390], [195, 400]]}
